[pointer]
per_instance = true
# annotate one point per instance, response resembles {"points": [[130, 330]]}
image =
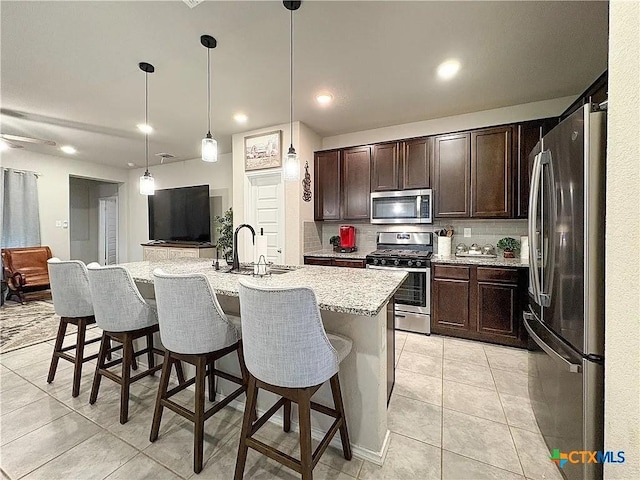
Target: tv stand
{"points": [[153, 251]]}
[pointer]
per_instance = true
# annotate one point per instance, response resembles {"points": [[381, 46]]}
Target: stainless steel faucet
{"points": [[235, 266]]}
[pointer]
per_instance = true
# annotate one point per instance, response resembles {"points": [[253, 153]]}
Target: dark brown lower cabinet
{"points": [[486, 306], [335, 262]]}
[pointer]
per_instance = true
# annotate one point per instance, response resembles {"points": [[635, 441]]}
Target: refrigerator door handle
{"points": [[534, 274], [548, 244], [570, 367]]}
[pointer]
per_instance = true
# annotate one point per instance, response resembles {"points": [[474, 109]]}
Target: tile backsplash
{"points": [[317, 234]]}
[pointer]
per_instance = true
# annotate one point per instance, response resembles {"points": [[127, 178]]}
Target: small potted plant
{"points": [[224, 227], [335, 241], [508, 246]]}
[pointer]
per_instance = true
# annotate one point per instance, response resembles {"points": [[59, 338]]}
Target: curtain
{"points": [[20, 212]]}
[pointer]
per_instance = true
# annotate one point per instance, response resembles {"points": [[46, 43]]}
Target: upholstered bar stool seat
{"points": [[288, 352], [124, 316], [194, 329], [72, 302]]}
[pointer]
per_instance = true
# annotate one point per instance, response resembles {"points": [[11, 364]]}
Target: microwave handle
{"points": [[419, 206]]}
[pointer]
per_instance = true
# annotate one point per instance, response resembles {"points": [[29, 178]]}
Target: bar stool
{"points": [[288, 352], [72, 302], [124, 316], [194, 329]]}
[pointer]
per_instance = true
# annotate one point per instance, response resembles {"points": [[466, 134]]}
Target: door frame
{"points": [[250, 204], [101, 233]]}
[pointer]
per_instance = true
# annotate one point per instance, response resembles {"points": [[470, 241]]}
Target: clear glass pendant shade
{"points": [[292, 166], [147, 184], [209, 149]]}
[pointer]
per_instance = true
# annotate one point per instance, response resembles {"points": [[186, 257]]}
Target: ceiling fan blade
{"points": [[18, 138]]}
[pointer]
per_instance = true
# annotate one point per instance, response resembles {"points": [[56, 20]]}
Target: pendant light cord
{"points": [[146, 118], [209, 88], [291, 80]]}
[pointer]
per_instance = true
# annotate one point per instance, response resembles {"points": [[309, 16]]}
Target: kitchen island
{"points": [[357, 303]]}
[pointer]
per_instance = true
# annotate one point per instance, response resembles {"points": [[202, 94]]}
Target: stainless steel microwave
{"points": [[407, 206]]}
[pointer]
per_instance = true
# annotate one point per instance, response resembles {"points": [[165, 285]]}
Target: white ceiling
{"points": [[69, 70]]}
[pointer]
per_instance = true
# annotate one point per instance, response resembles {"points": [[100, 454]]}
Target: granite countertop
{"points": [[499, 261], [329, 253], [344, 290]]}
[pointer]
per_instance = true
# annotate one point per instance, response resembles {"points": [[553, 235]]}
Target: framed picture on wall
{"points": [[263, 151]]}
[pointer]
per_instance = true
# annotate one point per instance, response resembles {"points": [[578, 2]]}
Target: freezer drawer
{"points": [[566, 393]]}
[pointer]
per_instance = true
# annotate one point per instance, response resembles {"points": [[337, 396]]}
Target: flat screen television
{"points": [[180, 215]]}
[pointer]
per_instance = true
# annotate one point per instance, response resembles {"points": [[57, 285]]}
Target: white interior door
{"points": [[265, 210], [108, 231]]}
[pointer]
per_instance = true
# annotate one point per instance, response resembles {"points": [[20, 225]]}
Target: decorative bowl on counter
{"points": [[475, 249], [488, 249], [461, 248]]}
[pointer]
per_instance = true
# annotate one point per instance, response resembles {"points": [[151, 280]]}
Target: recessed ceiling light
{"points": [[447, 70], [240, 118], [144, 128], [68, 149], [131, 164], [324, 98]]}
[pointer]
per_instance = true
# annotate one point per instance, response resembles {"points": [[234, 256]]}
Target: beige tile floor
{"points": [[460, 410]]}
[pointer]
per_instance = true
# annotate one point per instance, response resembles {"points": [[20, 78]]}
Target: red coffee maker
{"points": [[347, 238]]}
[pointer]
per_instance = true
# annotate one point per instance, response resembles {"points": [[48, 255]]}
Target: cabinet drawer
{"points": [[349, 263], [325, 261], [509, 275], [448, 271]]}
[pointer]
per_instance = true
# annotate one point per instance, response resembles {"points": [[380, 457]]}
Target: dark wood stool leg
{"points": [[162, 393], [337, 401], [249, 408], [304, 412], [134, 362], [287, 416], [179, 371], [150, 358], [77, 368], [245, 378], [212, 381], [127, 355], [62, 329], [104, 347], [109, 349], [198, 437]]}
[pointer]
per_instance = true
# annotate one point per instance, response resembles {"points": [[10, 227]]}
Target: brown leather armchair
{"points": [[25, 269]]}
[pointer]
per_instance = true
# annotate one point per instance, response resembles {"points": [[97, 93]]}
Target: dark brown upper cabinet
{"points": [[384, 167], [356, 183], [491, 172], [327, 185], [416, 165], [526, 136], [451, 182]]}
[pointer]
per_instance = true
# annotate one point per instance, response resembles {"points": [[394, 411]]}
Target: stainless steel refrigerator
{"points": [[565, 316]]}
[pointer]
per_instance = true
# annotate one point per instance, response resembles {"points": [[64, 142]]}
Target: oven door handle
{"points": [[399, 269]]}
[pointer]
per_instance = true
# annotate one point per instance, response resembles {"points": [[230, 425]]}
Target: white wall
{"points": [[498, 116], [306, 141], [173, 175], [622, 283], [53, 193]]}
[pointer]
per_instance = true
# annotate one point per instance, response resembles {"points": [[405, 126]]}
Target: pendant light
{"points": [[147, 184], [292, 162], [209, 144]]}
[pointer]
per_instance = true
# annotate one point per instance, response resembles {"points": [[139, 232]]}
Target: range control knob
{"points": [[396, 262], [383, 262], [375, 261], [418, 263], [410, 263]]}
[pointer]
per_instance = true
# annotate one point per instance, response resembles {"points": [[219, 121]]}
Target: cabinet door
{"points": [[497, 307], [416, 167], [349, 263], [356, 183], [153, 254], [183, 252], [327, 185], [450, 305], [491, 173], [384, 167], [451, 175], [323, 261]]}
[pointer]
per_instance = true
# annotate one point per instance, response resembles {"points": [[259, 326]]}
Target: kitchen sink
{"points": [[272, 270]]}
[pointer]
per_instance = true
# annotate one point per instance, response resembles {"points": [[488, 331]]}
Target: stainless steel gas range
{"points": [[410, 252]]}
